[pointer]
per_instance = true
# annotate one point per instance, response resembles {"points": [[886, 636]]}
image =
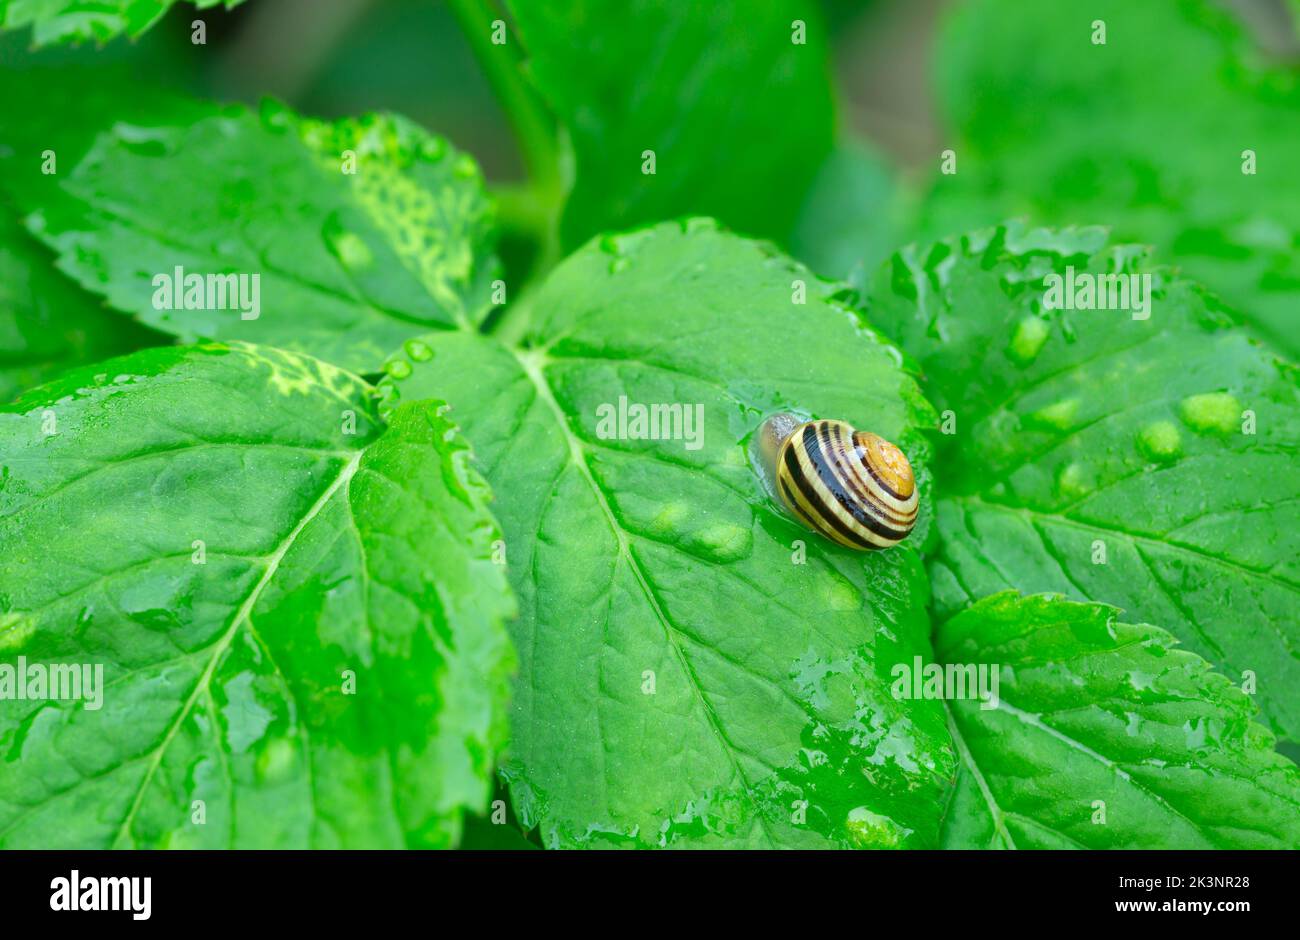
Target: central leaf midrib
{"points": [[241, 616], [965, 754], [530, 367]]}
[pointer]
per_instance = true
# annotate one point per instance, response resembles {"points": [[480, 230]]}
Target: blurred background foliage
{"points": [[1044, 126]]}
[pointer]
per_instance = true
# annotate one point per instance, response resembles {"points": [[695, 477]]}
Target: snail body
{"points": [[854, 487]]}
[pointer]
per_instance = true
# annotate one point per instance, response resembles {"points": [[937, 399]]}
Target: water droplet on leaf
{"points": [[1216, 412], [351, 250], [398, 368], [1160, 441], [1027, 341], [419, 350]]}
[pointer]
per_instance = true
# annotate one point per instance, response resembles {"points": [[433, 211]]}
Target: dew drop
{"points": [[398, 368], [1058, 416], [465, 168], [15, 630], [353, 253], [433, 149], [680, 523], [1160, 441], [1027, 341], [1216, 412], [275, 114], [1073, 481], [724, 542], [275, 763], [670, 517], [419, 350], [837, 593]]}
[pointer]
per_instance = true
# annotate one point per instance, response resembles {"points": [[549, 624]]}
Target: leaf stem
{"points": [[503, 66], [524, 209], [533, 208]]}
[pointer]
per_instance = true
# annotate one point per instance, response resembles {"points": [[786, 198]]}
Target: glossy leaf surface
{"points": [[286, 611], [1148, 463], [1106, 736], [360, 233], [696, 669]]}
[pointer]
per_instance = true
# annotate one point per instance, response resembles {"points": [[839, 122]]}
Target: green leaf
{"points": [[1105, 457], [738, 115], [684, 679], [349, 265], [61, 21], [234, 536], [1105, 736], [47, 323], [1083, 133], [54, 110]]}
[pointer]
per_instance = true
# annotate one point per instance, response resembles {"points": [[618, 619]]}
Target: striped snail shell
{"points": [[854, 487]]}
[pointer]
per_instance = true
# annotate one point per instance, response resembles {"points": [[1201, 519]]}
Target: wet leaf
{"points": [[1149, 464], [1083, 132], [236, 539], [348, 264], [696, 669], [1105, 736]]}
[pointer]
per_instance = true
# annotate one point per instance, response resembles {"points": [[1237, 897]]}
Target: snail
{"points": [[854, 487]]}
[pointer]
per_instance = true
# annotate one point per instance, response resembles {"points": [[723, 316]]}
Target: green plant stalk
{"points": [[534, 208], [523, 209], [502, 65]]}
